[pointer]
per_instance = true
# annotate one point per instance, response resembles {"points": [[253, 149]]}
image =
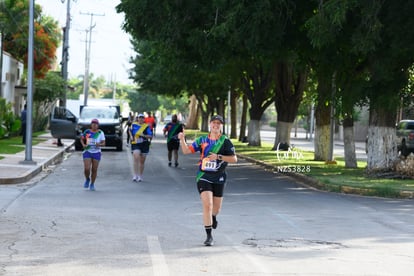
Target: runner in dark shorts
{"points": [[140, 142], [171, 131], [216, 151]]}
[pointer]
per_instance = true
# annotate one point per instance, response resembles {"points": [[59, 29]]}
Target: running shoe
{"points": [[134, 179], [176, 164], [92, 187], [209, 241], [169, 164], [86, 184], [139, 178]]}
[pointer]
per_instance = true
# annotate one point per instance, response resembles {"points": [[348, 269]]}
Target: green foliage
{"points": [[204, 47], [14, 20], [49, 88], [76, 88], [142, 102], [9, 124], [174, 105]]}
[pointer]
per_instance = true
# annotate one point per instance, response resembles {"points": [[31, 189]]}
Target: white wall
{"points": [[11, 76]]}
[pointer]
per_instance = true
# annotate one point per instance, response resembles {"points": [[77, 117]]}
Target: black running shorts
{"points": [[173, 144], [217, 189], [143, 147]]}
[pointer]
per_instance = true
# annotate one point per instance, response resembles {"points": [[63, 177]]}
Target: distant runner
{"points": [[171, 131]]}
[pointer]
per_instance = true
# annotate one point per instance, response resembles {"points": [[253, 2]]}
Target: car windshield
{"points": [[99, 113], [410, 125]]}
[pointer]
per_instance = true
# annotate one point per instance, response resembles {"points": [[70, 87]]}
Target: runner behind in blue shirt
{"points": [[140, 144]]}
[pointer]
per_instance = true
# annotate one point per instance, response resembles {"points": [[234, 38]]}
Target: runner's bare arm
{"points": [[184, 146]]}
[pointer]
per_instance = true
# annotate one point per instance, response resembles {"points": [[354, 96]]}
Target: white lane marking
{"points": [[159, 265]]}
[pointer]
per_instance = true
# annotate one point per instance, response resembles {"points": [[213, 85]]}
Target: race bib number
{"points": [[91, 141], [207, 165]]}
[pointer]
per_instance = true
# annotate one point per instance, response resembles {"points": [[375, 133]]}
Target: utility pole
{"points": [[65, 59], [88, 57], [30, 61], [65, 52], [114, 89]]}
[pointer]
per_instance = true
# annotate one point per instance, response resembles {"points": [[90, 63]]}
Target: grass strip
{"points": [[330, 177], [14, 145]]}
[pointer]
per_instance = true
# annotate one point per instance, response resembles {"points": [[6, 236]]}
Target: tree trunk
{"points": [[349, 143], [205, 107], [283, 130], [322, 140], [322, 117], [290, 85], [382, 146], [254, 133], [233, 114], [192, 120], [382, 150], [243, 121], [257, 85], [205, 118]]}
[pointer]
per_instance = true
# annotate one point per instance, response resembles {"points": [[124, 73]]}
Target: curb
{"points": [[56, 158], [310, 182]]}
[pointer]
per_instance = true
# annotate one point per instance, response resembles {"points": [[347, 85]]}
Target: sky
{"points": [[110, 47]]}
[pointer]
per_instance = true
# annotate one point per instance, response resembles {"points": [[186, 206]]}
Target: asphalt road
{"points": [[269, 225]]}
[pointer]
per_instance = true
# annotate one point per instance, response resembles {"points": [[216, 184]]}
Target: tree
{"points": [[389, 74], [14, 20], [226, 43], [342, 33], [290, 86], [174, 57], [141, 101], [47, 90], [257, 86], [372, 42]]}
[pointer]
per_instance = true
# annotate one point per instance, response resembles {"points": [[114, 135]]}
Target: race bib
{"points": [[91, 141], [207, 165]]}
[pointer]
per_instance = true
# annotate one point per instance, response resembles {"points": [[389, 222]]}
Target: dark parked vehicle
{"points": [[405, 136], [65, 125]]}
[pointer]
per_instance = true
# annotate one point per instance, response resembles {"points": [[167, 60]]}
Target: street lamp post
{"points": [[29, 119]]}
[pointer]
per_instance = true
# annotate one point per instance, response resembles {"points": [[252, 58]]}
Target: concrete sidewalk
{"points": [[14, 169]]}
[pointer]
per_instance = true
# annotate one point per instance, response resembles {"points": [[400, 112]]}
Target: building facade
{"points": [[11, 82]]}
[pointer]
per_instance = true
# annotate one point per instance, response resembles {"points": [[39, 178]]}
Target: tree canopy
{"points": [[14, 24], [358, 52]]}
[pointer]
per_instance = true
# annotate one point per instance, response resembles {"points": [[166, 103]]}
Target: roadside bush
{"points": [[9, 123], [273, 124], [41, 115]]}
